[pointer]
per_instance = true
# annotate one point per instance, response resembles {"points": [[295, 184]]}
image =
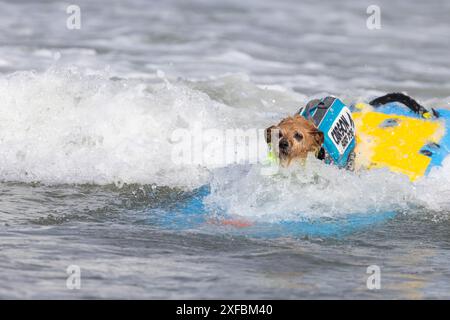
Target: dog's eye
{"points": [[280, 135], [298, 136]]}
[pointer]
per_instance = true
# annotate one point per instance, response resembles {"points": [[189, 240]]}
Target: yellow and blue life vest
{"points": [[401, 136]]}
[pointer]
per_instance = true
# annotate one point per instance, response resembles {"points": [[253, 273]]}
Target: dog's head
{"points": [[295, 137]]}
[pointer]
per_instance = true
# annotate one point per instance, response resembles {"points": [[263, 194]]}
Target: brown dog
{"points": [[296, 138]]}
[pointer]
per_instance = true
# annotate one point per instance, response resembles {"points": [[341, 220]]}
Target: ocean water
{"points": [[87, 170]]}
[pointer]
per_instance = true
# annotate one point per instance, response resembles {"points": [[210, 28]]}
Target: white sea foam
{"points": [[67, 126], [319, 190]]}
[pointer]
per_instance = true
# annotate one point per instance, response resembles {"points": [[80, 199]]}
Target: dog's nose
{"points": [[283, 144]]}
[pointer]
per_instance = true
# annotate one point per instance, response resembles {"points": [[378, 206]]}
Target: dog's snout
{"points": [[283, 144]]}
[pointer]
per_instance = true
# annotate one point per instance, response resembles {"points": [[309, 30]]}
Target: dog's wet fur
{"points": [[294, 137]]}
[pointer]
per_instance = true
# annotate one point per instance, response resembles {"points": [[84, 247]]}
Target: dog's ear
{"points": [[268, 133], [318, 137]]}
